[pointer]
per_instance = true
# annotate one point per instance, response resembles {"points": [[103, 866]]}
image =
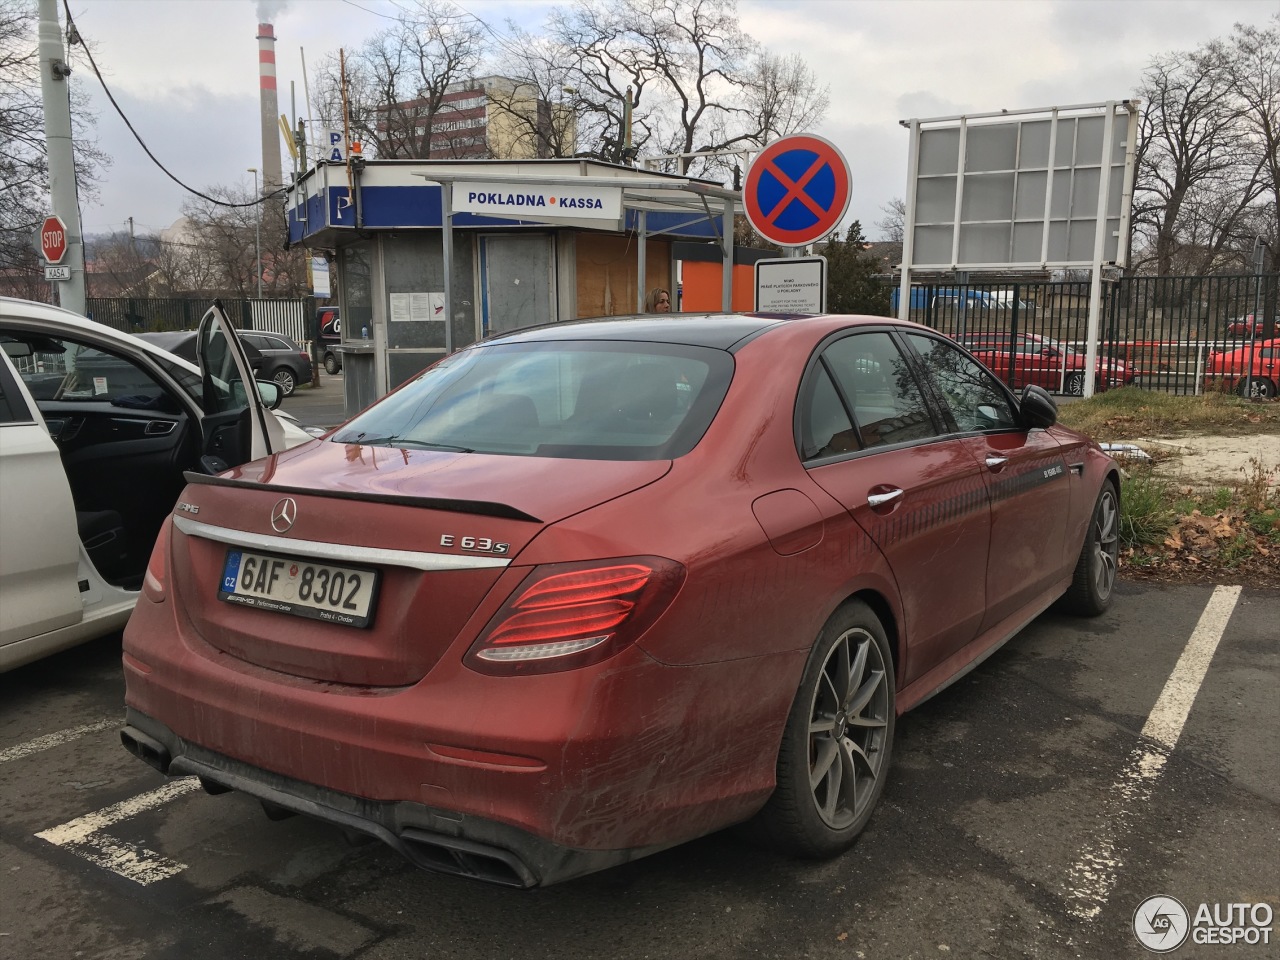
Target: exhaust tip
{"points": [[147, 749], [465, 858]]}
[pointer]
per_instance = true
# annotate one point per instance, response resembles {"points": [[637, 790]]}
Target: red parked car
{"points": [[1246, 326], [1030, 358], [1226, 370], [582, 592]]}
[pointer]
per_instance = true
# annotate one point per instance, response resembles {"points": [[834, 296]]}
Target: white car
{"points": [[97, 428]]}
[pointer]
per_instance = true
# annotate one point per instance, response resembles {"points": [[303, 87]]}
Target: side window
{"points": [[887, 402], [974, 398], [224, 388], [71, 371], [825, 427]]}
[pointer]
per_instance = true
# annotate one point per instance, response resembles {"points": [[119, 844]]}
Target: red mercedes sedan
{"points": [[586, 591]]}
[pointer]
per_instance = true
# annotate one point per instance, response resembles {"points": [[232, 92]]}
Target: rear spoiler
{"points": [[484, 508]]}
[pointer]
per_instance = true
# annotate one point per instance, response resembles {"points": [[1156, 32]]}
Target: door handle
{"points": [[880, 499], [995, 463]]}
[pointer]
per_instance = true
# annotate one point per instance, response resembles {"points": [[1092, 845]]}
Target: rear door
{"points": [[39, 545], [237, 425], [1026, 472], [919, 495]]}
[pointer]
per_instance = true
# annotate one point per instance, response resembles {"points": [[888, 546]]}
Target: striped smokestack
{"points": [[271, 177]]}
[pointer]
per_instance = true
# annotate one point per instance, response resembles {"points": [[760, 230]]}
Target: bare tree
{"points": [[892, 225], [783, 96], [542, 109], [1197, 177], [124, 265], [1255, 79], [698, 82], [398, 82], [608, 69], [217, 251], [24, 163]]}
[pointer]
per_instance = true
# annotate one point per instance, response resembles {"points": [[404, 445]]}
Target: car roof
{"points": [[719, 330], [53, 320]]}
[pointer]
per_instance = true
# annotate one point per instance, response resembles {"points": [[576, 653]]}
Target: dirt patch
{"points": [[1208, 462]]}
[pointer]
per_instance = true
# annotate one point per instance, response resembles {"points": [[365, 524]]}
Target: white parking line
{"points": [[84, 836], [51, 740], [1096, 869]]}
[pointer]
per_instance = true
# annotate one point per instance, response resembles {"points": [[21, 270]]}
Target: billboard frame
{"points": [[1008, 197]]}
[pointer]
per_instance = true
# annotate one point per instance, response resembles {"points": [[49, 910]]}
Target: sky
{"points": [[185, 72]]}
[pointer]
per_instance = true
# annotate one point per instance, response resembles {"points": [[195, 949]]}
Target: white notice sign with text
{"points": [[791, 285]]}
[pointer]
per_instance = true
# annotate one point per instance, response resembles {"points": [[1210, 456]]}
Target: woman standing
{"points": [[658, 301]]}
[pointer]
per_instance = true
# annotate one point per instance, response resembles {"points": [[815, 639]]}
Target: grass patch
{"points": [[1146, 512], [1134, 412], [1179, 533]]}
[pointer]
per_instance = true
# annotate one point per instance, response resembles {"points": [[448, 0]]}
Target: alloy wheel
{"points": [[847, 729], [1105, 537], [284, 377]]}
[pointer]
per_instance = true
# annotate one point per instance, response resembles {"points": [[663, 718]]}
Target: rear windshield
{"points": [[568, 399]]}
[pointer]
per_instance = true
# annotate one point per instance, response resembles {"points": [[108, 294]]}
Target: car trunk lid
{"points": [[438, 532]]}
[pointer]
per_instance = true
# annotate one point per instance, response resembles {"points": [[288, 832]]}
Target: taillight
{"points": [[569, 615], [153, 587]]}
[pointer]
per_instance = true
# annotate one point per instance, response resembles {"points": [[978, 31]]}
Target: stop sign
{"points": [[53, 239]]}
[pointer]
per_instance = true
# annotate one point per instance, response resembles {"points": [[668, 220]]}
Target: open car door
{"points": [[38, 567], [237, 425]]}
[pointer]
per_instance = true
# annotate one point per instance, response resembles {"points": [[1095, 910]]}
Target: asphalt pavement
{"points": [[322, 406], [1031, 808]]}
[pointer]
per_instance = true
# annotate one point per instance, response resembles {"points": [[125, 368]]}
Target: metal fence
{"points": [[1156, 332], [151, 314]]}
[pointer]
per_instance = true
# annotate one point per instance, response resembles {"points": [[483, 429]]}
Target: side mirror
{"points": [[1036, 408], [269, 393], [1048, 352]]}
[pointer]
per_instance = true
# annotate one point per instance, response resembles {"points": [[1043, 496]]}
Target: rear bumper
{"points": [[439, 840], [567, 772]]}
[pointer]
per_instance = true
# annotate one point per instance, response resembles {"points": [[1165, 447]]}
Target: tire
{"points": [[1073, 386], [849, 676], [1262, 388], [331, 364], [284, 377], [1095, 578]]}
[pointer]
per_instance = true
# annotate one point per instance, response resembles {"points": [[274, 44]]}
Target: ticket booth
{"points": [[430, 256]]}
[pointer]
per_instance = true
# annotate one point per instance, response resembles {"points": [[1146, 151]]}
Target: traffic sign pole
{"points": [[62, 171]]}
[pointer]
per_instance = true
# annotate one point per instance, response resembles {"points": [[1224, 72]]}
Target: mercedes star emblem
{"points": [[283, 514]]}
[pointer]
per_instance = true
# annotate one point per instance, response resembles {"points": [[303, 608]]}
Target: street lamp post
{"points": [[257, 240]]}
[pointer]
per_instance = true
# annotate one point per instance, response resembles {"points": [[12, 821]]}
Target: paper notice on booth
{"points": [[400, 307], [792, 285], [417, 306]]}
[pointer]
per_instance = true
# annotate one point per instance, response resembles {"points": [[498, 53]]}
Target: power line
{"points": [[376, 13], [74, 37]]}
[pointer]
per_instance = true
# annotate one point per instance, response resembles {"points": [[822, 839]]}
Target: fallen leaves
{"points": [[1203, 546]]}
